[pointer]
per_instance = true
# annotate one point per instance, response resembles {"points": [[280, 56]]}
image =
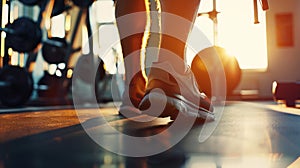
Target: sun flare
{"points": [[237, 32]]}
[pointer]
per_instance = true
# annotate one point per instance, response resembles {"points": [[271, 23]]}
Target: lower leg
{"points": [[131, 22], [177, 20]]}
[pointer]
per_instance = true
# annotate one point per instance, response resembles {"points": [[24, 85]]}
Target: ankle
{"points": [[135, 78]]}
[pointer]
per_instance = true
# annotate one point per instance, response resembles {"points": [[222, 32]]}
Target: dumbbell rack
{"points": [[60, 88], [7, 84], [16, 83], [23, 36], [5, 59]]}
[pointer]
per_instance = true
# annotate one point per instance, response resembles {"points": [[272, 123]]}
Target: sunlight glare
{"points": [[240, 36], [237, 32]]}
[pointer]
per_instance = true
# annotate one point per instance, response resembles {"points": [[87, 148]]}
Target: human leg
{"points": [[176, 23], [134, 25], [170, 74]]}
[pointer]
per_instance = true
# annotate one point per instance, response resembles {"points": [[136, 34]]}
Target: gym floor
{"points": [[258, 134]]}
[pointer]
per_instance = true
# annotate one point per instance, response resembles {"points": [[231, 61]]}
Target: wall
{"points": [[284, 62]]}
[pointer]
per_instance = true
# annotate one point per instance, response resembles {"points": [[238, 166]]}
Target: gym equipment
{"points": [[54, 50], [58, 8], [50, 86], [84, 64], [57, 50], [230, 65], [264, 5], [103, 84], [30, 2], [213, 15], [23, 35], [83, 3], [16, 86], [231, 68], [287, 92]]}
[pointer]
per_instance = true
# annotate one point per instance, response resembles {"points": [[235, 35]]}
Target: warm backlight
{"points": [[237, 32]]}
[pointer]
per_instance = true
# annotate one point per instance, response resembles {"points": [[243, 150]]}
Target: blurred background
{"points": [[259, 45]]}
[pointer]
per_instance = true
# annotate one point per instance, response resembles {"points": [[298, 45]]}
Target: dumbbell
{"points": [[49, 86], [83, 3], [79, 3], [16, 86], [58, 8], [29, 2], [289, 92], [23, 35], [55, 50]]}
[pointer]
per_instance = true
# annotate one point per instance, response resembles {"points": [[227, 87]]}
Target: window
{"points": [[237, 32]]}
